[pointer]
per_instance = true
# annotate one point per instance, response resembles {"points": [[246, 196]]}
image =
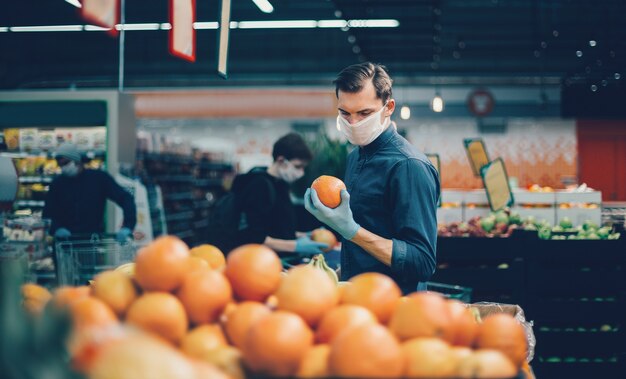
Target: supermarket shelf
{"points": [[35, 179], [175, 178], [203, 204], [208, 182], [215, 166], [167, 158], [186, 234], [201, 224], [30, 203], [179, 216], [22, 154], [178, 196]]}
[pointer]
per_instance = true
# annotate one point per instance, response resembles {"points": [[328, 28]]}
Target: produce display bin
{"points": [[576, 293], [579, 206]]}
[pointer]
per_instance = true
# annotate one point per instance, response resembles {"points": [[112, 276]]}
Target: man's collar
{"points": [[379, 142]]}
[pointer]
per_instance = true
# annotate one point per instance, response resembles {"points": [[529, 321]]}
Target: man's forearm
{"points": [[280, 245], [377, 246]]}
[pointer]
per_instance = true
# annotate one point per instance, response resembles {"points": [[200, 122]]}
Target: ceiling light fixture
{"points": [[94, 28], [332, 23], [437, 104], [205, 25], [75, 3], [264, 5], [277, 24], [152, 26], [51, 28], [405, 112]]}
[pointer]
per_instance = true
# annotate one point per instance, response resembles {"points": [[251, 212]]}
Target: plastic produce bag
{"points": [[485, 309]]}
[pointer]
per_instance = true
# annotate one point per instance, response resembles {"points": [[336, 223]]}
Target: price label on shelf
{"points": [[476, 153], [496, 182]]}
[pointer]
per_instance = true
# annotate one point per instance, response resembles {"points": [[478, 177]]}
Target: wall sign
{"points": [[182, 34], [103, 13], [497, 185], [476, 153], [480, 102]]}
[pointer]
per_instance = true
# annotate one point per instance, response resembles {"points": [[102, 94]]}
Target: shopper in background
{"points": [[268, 215], [76, 200], [387, 218]]}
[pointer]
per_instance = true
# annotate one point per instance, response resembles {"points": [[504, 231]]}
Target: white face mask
{"points": [[70, 169], [289, 173], [365, 131]]}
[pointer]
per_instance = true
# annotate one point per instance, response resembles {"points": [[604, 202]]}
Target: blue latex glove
{"points": [[123, 235], [339, 219], [306, 246], [62, 233]]}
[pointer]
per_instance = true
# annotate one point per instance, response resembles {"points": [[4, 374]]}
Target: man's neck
{"points": [[273, 170]]}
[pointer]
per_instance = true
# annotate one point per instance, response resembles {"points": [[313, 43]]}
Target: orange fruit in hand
{"points": [[374, 291], [161, 313], [116, 289], [307, 292], [340, 319], [276, 344], [328, 189], [211, 254], [161, 265], [90, 312], [202, 340], [205, 294], [369, 350], [503, 332], [254, 272], [241, 319], [422, 314]]}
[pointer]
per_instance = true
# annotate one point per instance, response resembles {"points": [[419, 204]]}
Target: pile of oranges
{"points": [[194, 314]]}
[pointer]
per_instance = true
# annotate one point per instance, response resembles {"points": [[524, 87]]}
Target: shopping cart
{"points": [[80, 258], [463, 294]]}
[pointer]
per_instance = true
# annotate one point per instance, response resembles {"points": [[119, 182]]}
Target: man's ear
{"points": [[391, 107]]}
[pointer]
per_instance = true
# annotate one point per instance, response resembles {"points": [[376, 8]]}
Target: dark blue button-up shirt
{"points": [[394, 191]]}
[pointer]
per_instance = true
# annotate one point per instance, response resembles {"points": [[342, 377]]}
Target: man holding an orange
{"points": [[387, 215]]}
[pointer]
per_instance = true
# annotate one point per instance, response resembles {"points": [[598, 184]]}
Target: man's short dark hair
{"points": [[353, 78], [292, 146]]}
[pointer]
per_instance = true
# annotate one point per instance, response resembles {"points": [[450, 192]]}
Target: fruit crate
{"points": [[79, 260], [574, 340], [605, 367], [492, 267]]}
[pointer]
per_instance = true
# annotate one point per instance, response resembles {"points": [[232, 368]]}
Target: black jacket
{"points": [[267, 206], [78, 203]]}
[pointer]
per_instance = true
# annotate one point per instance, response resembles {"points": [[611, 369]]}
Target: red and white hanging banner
{"points": [[103, 13], [182, 34]]}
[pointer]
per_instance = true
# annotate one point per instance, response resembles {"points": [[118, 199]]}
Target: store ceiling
{"points": [[437, 40]]}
